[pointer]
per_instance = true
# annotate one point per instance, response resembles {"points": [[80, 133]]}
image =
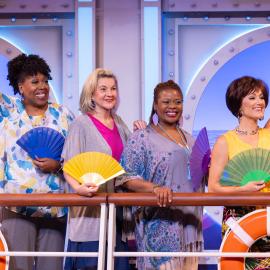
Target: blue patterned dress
{"points": [[154, 158]]}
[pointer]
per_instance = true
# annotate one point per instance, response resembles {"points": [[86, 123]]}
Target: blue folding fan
{"points": [[42, 142]]}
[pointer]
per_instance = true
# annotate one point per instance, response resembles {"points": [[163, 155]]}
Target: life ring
{"points": [[242, 235], [4, 261]]}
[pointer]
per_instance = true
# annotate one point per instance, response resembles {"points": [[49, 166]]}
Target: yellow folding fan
{"points": [[93, 167]]}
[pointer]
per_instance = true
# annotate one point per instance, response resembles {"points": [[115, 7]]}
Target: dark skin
{"points": [[169, 108], [35, 92]]}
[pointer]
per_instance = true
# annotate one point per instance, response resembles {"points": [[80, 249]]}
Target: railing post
{"points": [[102, 236], [111, 236]]}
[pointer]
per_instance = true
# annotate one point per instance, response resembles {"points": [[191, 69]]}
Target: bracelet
{"points": [[59, 170], [155, 186]]}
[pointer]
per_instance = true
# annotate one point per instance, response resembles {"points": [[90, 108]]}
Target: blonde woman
{"points": [[97, 129]]}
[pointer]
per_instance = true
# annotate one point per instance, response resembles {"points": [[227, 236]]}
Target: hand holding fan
{"points": [[247, 166], [42, 142], [200, 158], [93, 167]]}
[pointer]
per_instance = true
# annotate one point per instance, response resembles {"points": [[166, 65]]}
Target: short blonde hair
{"points": [[90, 86]]}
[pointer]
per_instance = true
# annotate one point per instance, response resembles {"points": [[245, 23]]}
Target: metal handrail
{"points": [[45, 199], [193, 199], [138, 199]]}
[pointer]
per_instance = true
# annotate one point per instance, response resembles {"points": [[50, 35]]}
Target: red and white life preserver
{"points": [[242, 235], [4, 261]]}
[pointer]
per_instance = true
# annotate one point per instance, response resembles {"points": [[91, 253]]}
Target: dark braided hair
{"points": [[22, 66], [170, 84]]}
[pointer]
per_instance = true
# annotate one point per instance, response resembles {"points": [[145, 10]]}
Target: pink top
{"points": [[111, 136]]}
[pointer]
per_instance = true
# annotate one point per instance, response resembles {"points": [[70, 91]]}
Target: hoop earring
{"points": [[240, 114], [93, 104], [155, 119], [20, 91]]}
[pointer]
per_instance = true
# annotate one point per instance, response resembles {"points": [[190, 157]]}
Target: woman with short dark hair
{"points": [[31, 228], [246, 98]]}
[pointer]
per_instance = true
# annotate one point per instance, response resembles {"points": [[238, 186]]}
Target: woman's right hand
{"points": [[164, 195], [86, 189], [253, 186]]}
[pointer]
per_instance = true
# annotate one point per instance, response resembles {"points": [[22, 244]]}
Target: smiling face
{"points": [[169, 106], [253, 105], [35, 91], [105, 96]]}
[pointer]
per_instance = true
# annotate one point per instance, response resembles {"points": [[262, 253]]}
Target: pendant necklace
{"points": [[185, 146], [181, 136]]}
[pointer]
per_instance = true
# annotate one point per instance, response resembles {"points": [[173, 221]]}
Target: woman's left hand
{"points": [[164, 195], [139, 124], [47, 165]]}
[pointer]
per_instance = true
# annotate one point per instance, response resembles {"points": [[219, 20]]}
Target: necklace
{"points": [[171, 138], [245, 132]]}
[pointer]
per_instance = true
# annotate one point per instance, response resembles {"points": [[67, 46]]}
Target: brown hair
{"points": [[240, 88], [170, 84]]}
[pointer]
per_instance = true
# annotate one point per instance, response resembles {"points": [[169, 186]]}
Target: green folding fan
{"points": [[247, 166]]}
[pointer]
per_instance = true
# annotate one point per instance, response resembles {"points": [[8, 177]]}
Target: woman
{"points": [[246, 98], [31, 228], [97, 129], [157, 160]]}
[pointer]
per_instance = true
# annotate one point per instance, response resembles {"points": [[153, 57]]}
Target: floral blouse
{"points": [[18, 174]]}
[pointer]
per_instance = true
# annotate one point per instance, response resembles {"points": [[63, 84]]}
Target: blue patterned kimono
{"points": [[152, 157]]}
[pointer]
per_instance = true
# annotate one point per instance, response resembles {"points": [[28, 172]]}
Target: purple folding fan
{"points": [[200, 158]]}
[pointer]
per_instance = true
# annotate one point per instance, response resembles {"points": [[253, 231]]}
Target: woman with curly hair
{"points": [[31, 228]]}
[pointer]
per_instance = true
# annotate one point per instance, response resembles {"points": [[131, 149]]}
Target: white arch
{"points": [[206, 73], [10, 51]]}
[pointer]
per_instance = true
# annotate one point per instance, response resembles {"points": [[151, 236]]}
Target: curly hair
{"points": [[170, 84], [240, 88], [23, 66]]}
